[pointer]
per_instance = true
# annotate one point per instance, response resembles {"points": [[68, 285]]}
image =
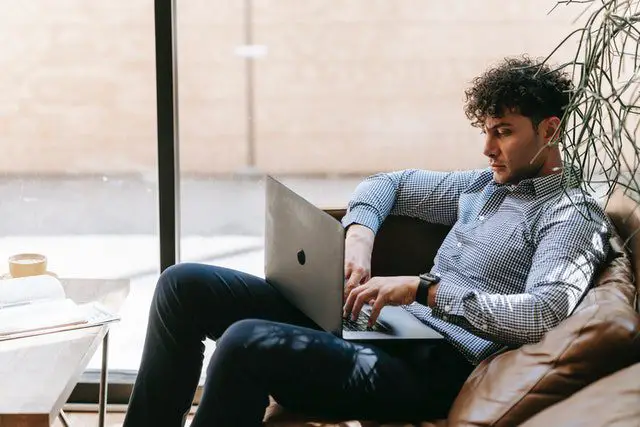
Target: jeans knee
{"points": [[240, 333], [183, 280], [250, 335]]}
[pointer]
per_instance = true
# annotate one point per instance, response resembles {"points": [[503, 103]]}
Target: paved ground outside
{"points": [[106, 227]]}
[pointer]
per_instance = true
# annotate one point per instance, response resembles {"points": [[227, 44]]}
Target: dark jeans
{"points": [[265, 346]]}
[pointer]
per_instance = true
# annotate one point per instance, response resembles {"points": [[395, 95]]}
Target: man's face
{"points": [[511, 143]]}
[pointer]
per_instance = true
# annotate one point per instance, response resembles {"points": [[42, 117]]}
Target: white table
{"points": [[38, 374]]}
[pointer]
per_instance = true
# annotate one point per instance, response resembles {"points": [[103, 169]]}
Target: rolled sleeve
{"points": [[363, 216], [427, 195]]}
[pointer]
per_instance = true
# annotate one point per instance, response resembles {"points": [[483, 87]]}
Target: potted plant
{"points": [[601, 123]]}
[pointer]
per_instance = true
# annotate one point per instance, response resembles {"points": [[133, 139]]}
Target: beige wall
{"points": [[353, 86]]}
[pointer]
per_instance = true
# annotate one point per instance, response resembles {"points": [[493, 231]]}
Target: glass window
{"points": [[319, 94], [78, 166]]}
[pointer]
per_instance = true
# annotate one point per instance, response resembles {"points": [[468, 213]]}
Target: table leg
{"points": [[102, 403]]}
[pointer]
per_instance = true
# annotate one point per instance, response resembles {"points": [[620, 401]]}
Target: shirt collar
{"points": [[543, 185]]}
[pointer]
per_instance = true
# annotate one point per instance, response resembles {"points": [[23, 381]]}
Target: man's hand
{"points": [[381, 291], [357, 256]]}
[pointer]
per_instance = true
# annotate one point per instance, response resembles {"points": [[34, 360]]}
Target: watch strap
{"points": [[426, 281]]}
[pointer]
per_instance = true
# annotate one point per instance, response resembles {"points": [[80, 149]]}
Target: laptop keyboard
{"points": [[361, 324]]}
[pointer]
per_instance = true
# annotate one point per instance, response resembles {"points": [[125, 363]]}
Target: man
{"points": [[521, 253]]}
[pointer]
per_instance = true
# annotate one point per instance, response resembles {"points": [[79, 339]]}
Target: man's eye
{"points": [[504, 133]]}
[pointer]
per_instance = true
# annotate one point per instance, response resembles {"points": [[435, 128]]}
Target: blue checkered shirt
{"points": [[516, 261]]}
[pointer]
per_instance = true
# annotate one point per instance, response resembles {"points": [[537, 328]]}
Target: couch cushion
{"points": [[601, 337], [614, 400]]}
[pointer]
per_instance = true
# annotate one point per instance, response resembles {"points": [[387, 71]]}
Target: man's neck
{"points": [[552, 165]]}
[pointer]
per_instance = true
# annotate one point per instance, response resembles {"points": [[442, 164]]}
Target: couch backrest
{"points": [[403, 245], [625, 215]]}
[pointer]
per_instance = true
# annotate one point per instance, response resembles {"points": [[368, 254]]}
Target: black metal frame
{"points": [[168, 143], [121, 383]]}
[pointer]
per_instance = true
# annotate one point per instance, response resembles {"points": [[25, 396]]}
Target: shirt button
{"points": [[445, 318], [447, 308], [459, 244], [481, 218], [484, 327]]}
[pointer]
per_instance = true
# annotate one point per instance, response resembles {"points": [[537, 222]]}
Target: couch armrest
{"points": [[403, 245], [614, 400]]}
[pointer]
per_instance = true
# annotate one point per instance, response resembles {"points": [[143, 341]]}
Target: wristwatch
{"points": [[427, 280]]}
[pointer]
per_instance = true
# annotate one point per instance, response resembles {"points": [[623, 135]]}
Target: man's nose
{"points": [[490, 147]]}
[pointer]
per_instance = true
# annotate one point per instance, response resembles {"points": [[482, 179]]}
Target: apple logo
{"points": [[302, 258]]}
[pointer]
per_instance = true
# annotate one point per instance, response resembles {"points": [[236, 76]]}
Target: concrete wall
{"points": [[353, 86]]}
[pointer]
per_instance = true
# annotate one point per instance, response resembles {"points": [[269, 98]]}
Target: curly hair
{"points": [[519, 85]]}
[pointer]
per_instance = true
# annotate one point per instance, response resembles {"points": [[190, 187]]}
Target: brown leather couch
{"points": [[585, 372]]}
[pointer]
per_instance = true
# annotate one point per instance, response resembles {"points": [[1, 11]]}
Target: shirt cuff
{"points": [[362, 216], [448, 301]]}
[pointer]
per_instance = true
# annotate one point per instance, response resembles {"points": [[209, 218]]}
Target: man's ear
{"points": [[551, 128]]}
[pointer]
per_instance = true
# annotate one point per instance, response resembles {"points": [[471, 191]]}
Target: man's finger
{"points": [[354, 278], [377, 307], [350, 300], [366, 295], [353, 282], [347, 272]]}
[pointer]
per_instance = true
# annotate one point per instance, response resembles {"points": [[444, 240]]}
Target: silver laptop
{"points": [[304, 260]]}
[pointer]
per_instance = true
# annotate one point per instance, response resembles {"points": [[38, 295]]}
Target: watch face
{"points": [[430, 277]]}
